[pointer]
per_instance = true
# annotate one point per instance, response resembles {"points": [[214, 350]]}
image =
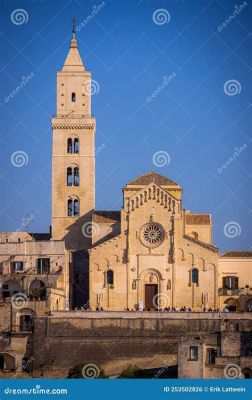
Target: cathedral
{"points": [[152, 254]]}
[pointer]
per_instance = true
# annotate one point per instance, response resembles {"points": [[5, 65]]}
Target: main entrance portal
{"points": [[151, 290]]}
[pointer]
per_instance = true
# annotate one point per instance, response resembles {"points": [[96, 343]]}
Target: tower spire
{"points": [[73, 41]]}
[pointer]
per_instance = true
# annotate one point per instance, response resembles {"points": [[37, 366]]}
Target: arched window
{"points": [[76, 207], [73, 97], [26, 323], [69, 146], [76, 145], [195, 235], [76, 176], [110, 277], [70, 207], [69, 176], [195, 275], [37, 288]]}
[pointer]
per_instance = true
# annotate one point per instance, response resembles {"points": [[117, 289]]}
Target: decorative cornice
{"points": [[69, 126]]}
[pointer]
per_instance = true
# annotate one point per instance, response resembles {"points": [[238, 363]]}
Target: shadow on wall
{"points": [[115, 231], [79, 236]]}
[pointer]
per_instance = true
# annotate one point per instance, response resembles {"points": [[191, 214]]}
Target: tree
{"points": [[132, 371]]}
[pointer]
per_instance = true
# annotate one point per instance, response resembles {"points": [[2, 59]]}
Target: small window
{"points": [[73, 97], [70, 208], [76, 207], [110, 277], [26, 323], [76, 146], [195, 276], [76, 176], [17, 266], [69, 146], [211, 356], [230, 282], [194, 353], [69, 177], [43, 265]]}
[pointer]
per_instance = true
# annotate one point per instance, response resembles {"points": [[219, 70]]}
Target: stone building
{"points": [[150, 255], [155, 259]]}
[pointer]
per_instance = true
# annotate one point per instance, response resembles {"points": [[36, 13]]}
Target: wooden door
{"points": [[151, 290]]}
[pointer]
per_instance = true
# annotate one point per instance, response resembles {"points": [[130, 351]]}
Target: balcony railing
{"points": [[31, 271], [73, 115], [233, 292]]}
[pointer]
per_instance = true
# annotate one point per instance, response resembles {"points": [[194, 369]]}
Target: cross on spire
{"points": [[74, 25], [73, 41]]}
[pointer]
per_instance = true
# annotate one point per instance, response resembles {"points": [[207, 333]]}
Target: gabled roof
{"points": [[152, 176], [106, 216], [197, 219], [202, 244], [237, 253]]}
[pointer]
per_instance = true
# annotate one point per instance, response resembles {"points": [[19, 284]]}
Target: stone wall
{"points": [[114, 342]]}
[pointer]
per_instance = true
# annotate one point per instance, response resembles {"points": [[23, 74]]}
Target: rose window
{"points": [[152, 234]]}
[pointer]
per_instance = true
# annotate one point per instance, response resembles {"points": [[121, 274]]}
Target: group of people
{"points": [[88, 308], [177, 309], [167, 309]]}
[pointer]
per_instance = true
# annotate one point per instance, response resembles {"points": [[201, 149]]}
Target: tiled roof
{"points": [[198, 219], [106, 216], [202, 244], [242, 253], [152, 177]]}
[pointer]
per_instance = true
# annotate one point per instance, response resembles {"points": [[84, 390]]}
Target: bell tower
{"points": [[73, 153]]}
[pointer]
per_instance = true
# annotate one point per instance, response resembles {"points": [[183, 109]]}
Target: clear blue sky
{"points": [[192, 118]]}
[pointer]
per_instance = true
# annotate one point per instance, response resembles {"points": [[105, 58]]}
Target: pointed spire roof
{"points": [[73, 61]]}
